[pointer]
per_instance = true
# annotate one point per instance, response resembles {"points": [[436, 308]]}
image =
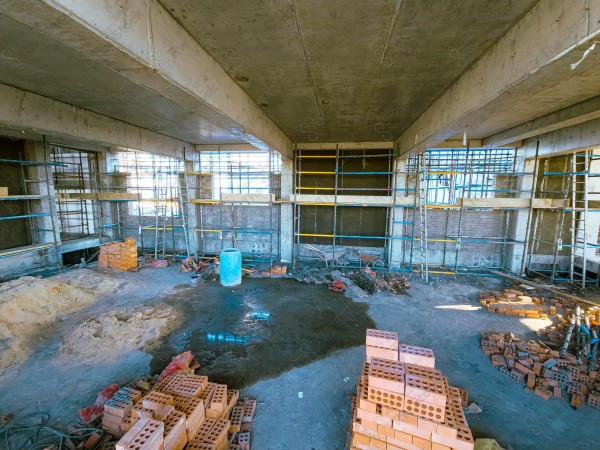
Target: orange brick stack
{"points": [[542, 370], [406, 405], [513, 303], [179, 407], [118, 255]]}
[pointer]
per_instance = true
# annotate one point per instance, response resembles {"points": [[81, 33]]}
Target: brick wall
{"points": [[443, 224]]}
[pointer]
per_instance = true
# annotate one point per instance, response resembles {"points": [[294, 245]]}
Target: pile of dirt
{"points": [[108, 336], [29, 304]]}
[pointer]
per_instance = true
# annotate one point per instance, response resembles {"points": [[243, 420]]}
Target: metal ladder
{"points": [[579, 208], [421, 202], [184, 201], [160, 225]]}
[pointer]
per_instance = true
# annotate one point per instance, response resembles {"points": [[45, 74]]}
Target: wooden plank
{"points": [[264, 198], [101, 196], [538, 203], [367, 200]]}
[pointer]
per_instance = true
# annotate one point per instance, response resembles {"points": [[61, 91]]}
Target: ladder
{"points": [[579, 213], [184, 202], [421, 203], [160, 224]]}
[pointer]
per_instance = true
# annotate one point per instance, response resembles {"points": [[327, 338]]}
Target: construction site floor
{"points": [[298, 349]]}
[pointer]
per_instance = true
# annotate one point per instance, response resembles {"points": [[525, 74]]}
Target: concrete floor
{"points": [[311, 344]]}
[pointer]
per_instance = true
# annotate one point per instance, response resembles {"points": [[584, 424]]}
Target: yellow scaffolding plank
{"points": [[313, 172], [317, 188], [315, 235], [316, 156], [29, 248], [204, 202], [200, 230], [206, 174], [316, 204]]}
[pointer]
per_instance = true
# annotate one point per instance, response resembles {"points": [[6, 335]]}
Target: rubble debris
{"points": [[159, 263], [119, 255], [359, 283], [405, 405], [365, 281], [544, 371], [513, 303], [275, 271]]}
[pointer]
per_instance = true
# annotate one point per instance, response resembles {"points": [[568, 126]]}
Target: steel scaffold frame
{"points": [[340, 157], [244, 171]]}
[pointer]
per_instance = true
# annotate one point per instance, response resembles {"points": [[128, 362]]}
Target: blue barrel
{"points": [[231, 267]]}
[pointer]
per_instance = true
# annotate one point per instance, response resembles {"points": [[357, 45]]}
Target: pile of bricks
{"points": [[118, 255], [183, 411], [512, 302], [403, 402], [3, 191], [541, 369]]}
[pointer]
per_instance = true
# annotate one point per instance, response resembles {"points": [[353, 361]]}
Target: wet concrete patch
{"points": [[261, 329]]}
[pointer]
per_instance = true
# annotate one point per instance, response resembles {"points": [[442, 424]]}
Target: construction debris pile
{"points": [[546, 372], [360, 283], [512, 302], [403, 402], [119, 255]]}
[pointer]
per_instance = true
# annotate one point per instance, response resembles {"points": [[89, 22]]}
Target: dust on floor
{"points": [[107, 337], [28, 305]]}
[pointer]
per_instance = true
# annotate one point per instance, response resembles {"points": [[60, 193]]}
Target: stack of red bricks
{"points": [[403, 402], [541, 369], [183, 411], [513, 303], [118, 255]]}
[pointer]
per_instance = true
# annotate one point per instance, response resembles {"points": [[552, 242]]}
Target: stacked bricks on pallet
{"points": [[118, 255], [542, 370], [406, 404], [180, 403], [382, 344]]}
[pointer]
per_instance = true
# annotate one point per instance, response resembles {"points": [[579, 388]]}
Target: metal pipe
{"points": [[565, 345]]}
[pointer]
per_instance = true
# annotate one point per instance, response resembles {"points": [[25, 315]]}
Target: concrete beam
{"points": [[566, 117], [140, 40], [22, 112], [535, 53], [345, 145], [225, 147], [577, 137]]}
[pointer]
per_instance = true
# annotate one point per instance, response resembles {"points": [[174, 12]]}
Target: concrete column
{"points": [[286, 226], [192, 185], [396, 251], [518, 221]]}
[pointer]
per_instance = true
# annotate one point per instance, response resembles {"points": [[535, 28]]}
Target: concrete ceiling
{"points": [[346, 71], [270, 73], [34, 61]]}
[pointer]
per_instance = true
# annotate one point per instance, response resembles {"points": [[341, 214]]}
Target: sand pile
{"points": [[110, 335], [28, 304]]}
